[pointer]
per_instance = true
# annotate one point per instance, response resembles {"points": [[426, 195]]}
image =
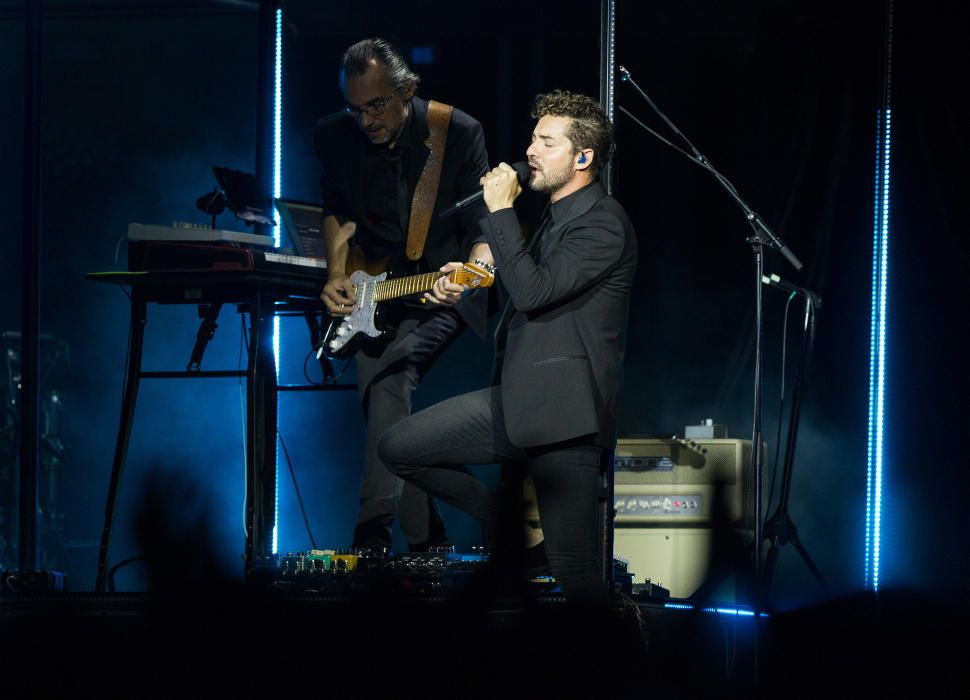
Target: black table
{"points": [[262, 294]]}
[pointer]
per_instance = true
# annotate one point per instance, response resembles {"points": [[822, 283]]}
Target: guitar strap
{"points": [[426, 191]]}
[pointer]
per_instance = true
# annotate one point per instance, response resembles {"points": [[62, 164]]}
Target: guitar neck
{"points": [[405, 286]]}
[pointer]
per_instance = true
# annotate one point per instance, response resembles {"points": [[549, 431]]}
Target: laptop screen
{"points": [[304, 225]]}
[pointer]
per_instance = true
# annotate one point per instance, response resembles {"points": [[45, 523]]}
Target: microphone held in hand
{"points": [[521, 168]]}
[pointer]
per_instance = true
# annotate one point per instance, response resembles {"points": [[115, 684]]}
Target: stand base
{"points": [[32, 582]]}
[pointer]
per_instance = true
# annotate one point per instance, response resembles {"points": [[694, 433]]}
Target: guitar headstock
{"points": [[474, 275], [484, 265]]}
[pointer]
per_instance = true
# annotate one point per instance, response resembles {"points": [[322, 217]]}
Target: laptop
{"points": [[303, 223]]}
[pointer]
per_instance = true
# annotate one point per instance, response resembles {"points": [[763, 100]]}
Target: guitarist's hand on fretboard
{"points": [[444, 292], [338, 295]]}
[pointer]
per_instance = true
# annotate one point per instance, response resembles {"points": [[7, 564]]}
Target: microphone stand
{"points": [[761, 237], [779, 528]]}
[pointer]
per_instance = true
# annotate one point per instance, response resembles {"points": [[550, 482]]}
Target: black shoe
{"points": [[441, 546], [373, 535]]}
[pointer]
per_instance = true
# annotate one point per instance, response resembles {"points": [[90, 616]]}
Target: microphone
{"points": [[521, 168]]}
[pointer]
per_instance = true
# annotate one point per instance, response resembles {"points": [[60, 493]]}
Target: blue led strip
{"points": [[875, 452], [277, 189], [872, 347], [716, 610], [877, 349]]}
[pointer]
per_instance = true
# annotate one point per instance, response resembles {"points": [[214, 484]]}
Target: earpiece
{"points": [[582, 158]]}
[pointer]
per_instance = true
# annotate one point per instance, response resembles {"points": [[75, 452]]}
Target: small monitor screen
{"points": [[304, 225]]}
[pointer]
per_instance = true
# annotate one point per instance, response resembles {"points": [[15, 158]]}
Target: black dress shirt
{"points": [[386, 201]]}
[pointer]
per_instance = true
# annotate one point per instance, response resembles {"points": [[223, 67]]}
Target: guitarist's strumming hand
{"points": [[446, 293], [338, 295]]}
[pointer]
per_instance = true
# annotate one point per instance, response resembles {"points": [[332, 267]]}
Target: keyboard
{"points": [[146, 256], [196, 234], [277, 258]]}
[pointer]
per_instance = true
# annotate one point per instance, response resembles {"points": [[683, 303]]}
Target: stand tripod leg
{"points": [[138, 318], [808, 560], [261, 411], [779, 528], [769, 570]]}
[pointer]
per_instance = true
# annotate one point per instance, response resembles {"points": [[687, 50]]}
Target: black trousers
{"points": [[386, 379], [431, 447]]}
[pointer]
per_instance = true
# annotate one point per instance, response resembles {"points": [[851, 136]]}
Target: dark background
{"points": [[140, 99]]}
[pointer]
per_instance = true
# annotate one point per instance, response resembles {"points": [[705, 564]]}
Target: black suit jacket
{"points": [[561, 341], [340, 146]]}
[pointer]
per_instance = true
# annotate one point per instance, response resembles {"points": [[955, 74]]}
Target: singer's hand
{"points": [[501, 187], [445, 292]]}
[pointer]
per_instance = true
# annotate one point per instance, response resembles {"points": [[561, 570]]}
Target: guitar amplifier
{"points": [[673, 481], [664, 494]]}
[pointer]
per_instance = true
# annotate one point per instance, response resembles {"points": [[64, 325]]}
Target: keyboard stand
{"points": [[260, 294]]}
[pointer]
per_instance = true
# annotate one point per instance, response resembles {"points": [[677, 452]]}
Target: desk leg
{"points": [[138, 319], [261, 406]]}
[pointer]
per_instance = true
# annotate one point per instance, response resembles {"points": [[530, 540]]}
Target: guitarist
{"points": [[381, 196]]}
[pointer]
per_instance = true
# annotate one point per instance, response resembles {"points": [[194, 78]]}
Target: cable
{"points": [[124, 374], [306, 373], [326, 382], [113, 569], [296, 488], [242, 416], [663, 139], [245, 336], [118, 247], [781, 408]]}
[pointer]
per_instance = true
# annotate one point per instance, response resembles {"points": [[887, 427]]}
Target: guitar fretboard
{"points": [[394, 288]]}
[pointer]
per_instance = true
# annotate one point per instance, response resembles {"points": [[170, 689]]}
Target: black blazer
{"points": [[561, 341], [340, 146]]}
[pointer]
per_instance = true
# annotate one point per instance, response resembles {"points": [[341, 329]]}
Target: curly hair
{"points": [[590, 128]]}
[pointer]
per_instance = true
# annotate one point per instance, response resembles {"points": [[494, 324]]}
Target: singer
{"points": [[380, 203], [559, 350]]}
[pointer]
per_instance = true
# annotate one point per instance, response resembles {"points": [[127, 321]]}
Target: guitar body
{"points": [[346, 333], [357, 259], [371, 318]]}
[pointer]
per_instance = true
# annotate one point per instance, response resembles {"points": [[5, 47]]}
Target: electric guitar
{"points": [[345, 333]]}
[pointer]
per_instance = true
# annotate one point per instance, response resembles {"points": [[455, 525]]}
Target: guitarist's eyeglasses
{"points": [[374, 108]]}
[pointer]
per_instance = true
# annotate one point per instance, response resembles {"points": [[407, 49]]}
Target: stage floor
{"points": [[238, 641]]}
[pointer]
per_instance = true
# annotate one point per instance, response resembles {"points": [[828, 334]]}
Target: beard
{"points": [[374, 138], [548, 181]]}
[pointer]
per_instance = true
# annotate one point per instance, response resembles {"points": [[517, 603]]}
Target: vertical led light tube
{"points": [[875, 453], [877, 350], [277, 189]]}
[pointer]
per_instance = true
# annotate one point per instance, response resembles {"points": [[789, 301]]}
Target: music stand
{"points": [[242, 195]]}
